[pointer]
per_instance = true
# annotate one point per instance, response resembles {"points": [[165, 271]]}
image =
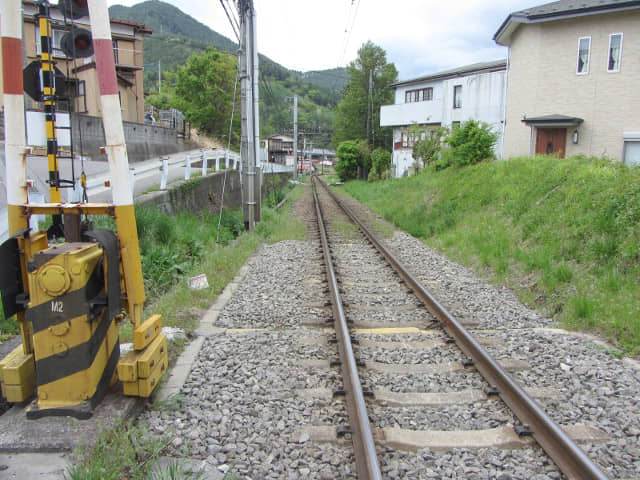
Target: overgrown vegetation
{"points": [[380, 165], [564, 233], [354, 157], [469, 144], [124, 452], [427, 147]]}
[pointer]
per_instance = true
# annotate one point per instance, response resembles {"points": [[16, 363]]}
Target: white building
{"points": [[448, 98]]}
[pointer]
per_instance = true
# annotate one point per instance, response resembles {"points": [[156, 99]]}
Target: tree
{"points": [[358, 113], [380, 164], [353, 157], [427, 148], [471, 143], [204, 91]]}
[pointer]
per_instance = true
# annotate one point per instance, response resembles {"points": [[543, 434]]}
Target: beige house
{"points": [[127, 49], [573, 79]]}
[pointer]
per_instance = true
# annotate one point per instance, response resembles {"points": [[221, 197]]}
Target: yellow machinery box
{"points": [[17, 375]]}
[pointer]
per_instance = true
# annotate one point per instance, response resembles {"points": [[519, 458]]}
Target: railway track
{"points": [[266, 398], [530, 420]]}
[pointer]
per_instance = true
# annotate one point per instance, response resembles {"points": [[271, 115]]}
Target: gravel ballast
{"points": [[241, 409]]}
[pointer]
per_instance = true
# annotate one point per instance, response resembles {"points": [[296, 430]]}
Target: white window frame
{"points": [[627, 138], [56, 40], [619, 53], [588, 63], [457, 99]]}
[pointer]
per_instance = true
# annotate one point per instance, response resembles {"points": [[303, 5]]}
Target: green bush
{"points": [[351, 155], [469, 144], [427, 150], [380, 164], [348, 155]]}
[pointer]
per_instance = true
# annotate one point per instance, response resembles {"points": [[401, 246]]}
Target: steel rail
{"points": [[367, 466], [569, 458]]}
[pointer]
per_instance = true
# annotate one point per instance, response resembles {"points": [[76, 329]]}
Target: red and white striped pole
{"points": [[15, 148], [14, 123], [117, 156]]}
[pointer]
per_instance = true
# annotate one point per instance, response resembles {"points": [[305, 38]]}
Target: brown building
{"points": [[128, 40]]}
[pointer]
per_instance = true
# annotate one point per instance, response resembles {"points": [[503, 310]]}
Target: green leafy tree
{"points": [[380, 164], [471, 143], [358, 113], [348, 154], [203, 91], [428, 145]]}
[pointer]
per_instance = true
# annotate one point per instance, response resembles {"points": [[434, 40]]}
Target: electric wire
{"points": [[231, 20], [224, 180], [349, 29]]}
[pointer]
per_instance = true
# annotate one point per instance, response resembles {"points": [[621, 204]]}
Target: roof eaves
{"points": [[516, 18], [486, 67]]}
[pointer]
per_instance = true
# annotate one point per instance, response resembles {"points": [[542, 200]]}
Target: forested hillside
{"points": [[176, 36]]}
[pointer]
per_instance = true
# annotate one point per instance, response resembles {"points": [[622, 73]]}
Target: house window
{"points": [[457, 96], [114, 43], [420, 95], [81, 96], [455, 125], [405, 139], [56, 39], [631, 151], [584, 55], [615, 52]]}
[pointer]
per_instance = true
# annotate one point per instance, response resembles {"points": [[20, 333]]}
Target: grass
{"points": [[563, 233], [124, 452]]}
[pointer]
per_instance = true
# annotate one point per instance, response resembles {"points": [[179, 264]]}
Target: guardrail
{"points": [[227, 158], [222, 158]]}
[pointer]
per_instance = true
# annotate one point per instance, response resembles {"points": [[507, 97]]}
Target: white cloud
{"points": [[420, 36]]}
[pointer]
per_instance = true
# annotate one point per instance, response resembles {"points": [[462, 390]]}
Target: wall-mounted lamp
{"points": [[575, 137]]}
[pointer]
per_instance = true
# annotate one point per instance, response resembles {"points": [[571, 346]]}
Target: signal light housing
{"points": [[74, 8], [77, 43]]}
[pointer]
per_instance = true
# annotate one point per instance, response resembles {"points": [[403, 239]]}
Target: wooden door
{"points": [[551, 141]]}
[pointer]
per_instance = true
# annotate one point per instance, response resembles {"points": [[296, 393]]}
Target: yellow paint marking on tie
{"points": [[389, 331]]}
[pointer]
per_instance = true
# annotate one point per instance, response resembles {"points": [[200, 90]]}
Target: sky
{"points": [[420, 36]]}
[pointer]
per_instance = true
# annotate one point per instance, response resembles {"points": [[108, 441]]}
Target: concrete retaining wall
{"points": [[206, 193], [143, 141]]}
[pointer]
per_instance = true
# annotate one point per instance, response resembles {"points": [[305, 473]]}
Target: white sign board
{"points": [[37, 131]]}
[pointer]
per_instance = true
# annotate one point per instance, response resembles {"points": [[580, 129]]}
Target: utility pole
{"points": [[295, 137], [159, 77], [250, 141]]}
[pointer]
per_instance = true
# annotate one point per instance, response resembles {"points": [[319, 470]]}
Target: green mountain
{"points": [[176, 36]]}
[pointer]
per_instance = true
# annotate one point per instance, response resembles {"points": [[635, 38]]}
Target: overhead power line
{"points": [[232, 19], [351, 20]]}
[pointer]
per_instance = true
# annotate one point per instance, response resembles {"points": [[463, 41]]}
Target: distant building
{"points": [[573, 79], [280, 150], [445, 98], [128, 40]]}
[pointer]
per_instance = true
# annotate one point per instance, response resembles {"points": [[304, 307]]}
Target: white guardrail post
{"points": [[132, 180], [203, 155], [187, 167], [165, 173], [226, 159], [217, 160]]}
